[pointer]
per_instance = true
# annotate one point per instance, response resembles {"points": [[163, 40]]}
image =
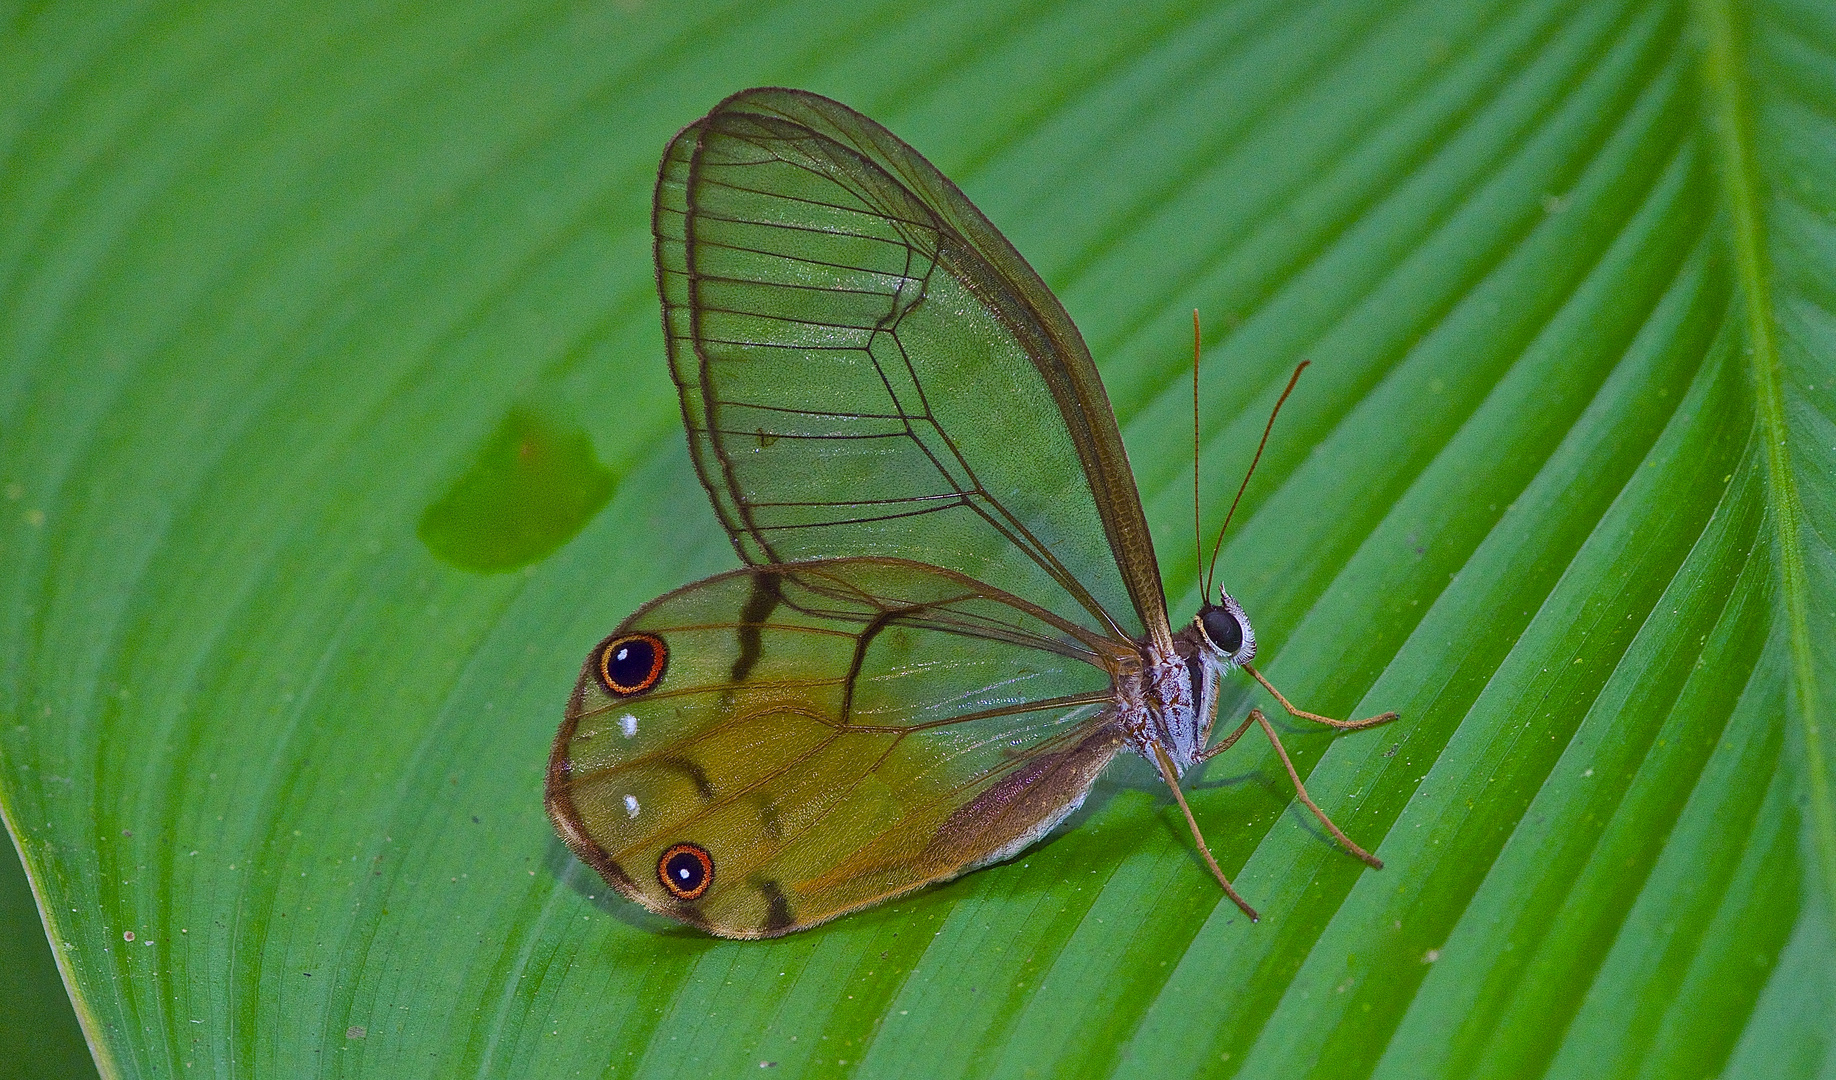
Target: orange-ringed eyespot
{"points": [[631, 663], [686, 871]]}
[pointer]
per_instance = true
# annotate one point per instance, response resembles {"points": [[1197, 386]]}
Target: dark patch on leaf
{"points": [[534, 484]]}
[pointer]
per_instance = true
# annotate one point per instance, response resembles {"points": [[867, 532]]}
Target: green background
{"points": [[334, 428]]}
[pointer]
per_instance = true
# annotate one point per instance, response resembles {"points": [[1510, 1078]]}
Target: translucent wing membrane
{"points": [[868, 367], [829, 734]]}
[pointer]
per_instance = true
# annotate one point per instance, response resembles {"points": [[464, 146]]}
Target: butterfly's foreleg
{"points": [[1342, 725], [1300, 789], [1172, 778]]}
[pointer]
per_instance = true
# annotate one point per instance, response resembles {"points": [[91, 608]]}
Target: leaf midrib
{"points": [[1729, 124]]}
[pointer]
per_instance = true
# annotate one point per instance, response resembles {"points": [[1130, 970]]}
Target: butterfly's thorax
{"points": [[1169, 700]]}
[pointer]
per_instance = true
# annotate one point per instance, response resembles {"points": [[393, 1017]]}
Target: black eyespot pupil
{"points": [[631, 663], [686, 869], [1223, 629]]}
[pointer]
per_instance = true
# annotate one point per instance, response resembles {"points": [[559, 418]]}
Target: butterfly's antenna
{"points": [[1241, 488], [1198, 530]]}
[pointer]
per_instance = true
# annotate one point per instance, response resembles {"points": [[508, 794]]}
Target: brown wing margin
{"points": [[985, 263]]}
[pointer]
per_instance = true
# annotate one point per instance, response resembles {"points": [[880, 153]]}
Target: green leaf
{"points": [[278, 284]]}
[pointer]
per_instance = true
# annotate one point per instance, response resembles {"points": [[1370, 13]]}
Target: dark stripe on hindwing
{"points": [[778, 916], [766, 596], [771, 820], [694, 772], [868, 633]]}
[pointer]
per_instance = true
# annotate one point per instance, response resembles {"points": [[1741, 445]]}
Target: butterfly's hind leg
{"points": [[1168, 774]]}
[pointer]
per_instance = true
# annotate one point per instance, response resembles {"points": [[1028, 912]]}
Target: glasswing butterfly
{"points": [[950, 616]]}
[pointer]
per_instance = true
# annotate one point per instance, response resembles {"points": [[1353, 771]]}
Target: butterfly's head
{"points": [[1225, 630]]}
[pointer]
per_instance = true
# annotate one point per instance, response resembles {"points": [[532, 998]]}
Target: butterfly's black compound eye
{"points": [[686, 871], [1223, 628], [631, 663]]}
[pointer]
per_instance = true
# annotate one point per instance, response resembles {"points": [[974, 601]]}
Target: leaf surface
{"points": [[281, 286]]}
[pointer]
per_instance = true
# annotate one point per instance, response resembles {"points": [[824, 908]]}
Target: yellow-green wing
{"points": [[867, 367], [827, 735]]}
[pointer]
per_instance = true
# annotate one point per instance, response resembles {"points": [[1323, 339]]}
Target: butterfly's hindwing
{"points": [[829, 734]]}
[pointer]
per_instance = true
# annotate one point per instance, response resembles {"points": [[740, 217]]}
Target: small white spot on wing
{"points": [[631, 806], [628, 724]]}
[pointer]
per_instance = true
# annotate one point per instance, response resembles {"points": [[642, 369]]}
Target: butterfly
{"points": [[949, 619]]}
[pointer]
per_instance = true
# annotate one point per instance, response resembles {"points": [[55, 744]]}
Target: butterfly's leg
{"points": [[1222, 745], [1172, 779], [1342, 725], [1255, 716]]}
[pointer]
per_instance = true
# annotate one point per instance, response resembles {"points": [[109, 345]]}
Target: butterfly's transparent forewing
{"points": [[868, 367]]}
